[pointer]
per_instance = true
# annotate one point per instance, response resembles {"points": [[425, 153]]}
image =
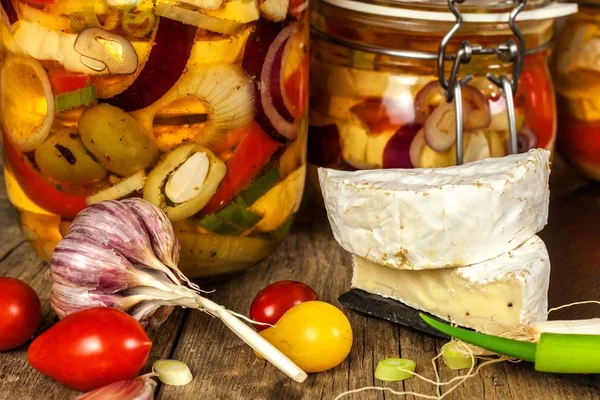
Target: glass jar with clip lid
{"points": [[576, 72], [389, 78]]}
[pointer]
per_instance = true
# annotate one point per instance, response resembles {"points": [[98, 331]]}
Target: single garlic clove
{"points": [[186, 182], [140, 388], [172, 372]]}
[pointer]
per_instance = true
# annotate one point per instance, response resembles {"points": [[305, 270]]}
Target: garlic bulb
{"points": [[162, 235], [111, 257], [115, 225]]}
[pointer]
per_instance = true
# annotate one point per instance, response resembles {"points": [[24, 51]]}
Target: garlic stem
{"points": [[254, 340]]}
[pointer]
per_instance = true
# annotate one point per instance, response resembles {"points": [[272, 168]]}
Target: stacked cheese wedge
{"points": [[457, 242]]}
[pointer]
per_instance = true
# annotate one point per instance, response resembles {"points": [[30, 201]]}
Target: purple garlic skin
{"points": [[160, 230], [66, 300], [114, 224], [140, 388], [79, 260]]}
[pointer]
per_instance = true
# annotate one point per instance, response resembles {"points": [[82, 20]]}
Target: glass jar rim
{"points": [[546, 12]]}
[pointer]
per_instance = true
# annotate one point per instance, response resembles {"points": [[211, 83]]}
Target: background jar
{"points": [[374, 87], [103, 99], [576, 71]]}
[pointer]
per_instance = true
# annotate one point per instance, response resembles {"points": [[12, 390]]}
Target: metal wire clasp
{"points": [[511, 51]]}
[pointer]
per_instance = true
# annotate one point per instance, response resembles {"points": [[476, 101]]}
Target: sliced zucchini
{"points": [[154, 190]]}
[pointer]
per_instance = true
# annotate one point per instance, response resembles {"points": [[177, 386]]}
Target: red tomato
{"points": [[91, 348], [20, 313], [274, 300]]}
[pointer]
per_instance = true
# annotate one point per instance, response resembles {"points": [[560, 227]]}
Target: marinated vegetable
{"points": [[63, 158], [190, 174], [27, 123], [116, 140], [195, 105]]}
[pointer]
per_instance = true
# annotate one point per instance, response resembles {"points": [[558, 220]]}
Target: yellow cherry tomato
{"points": [[315, 335]]}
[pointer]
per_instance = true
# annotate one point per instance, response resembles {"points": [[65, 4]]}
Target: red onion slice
{"points": [[266, 47], [440, 127], [427, 100], [167, 60], [416, 148], [324, 148], [271, 87], [526, 140], [9, 11], [479, 116], [397, 151]]}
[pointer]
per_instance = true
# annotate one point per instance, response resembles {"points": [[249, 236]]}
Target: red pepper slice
{"points": [[63, 81], [535, 84], [579, 142], [253, 153], [296, 87], [37, 189]]}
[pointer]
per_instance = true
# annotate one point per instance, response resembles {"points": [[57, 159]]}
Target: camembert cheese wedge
{"points": [[441, 217], [511, 289]]}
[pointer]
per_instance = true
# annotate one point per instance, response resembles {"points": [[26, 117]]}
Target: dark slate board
{"points": [[391, 310], [388, 309]]}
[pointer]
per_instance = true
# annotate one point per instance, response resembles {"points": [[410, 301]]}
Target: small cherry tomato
{"points": [[91, 348], [315, 335], [274, 300], [20, 313]]}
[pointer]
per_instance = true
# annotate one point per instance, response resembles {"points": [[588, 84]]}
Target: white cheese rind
{"points": [[442, 217], [511, 289]]}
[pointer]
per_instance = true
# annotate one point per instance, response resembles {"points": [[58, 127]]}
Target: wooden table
{"points": [[224, 368]]}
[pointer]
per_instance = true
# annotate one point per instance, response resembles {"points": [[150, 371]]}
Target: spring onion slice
{"points": [[76, 98], [455, 356], [395, 369], [172, 372]]}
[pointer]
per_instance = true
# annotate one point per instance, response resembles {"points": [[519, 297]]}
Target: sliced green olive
{"points": [[63, 158], [154, 190], [116, 140]]}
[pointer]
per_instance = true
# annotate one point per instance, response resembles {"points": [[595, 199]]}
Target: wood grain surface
{"points": [[224, 368]]}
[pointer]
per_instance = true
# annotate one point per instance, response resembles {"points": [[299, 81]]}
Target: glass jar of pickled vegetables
{"points": [[377, 100], [198, 106], [576, 70]]}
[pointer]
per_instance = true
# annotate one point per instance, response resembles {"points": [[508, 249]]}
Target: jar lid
{"points": [[549, 11]]}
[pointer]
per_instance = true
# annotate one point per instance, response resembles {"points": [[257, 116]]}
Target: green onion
{"points": [[395, 369], [76, 98], [455, 357]]}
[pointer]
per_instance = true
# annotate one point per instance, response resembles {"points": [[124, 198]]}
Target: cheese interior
{"points": [[510, 290], [442, 293]]}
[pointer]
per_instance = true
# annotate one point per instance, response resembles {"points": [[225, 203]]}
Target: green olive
{"points": [[63, 158], [116, 140]]}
